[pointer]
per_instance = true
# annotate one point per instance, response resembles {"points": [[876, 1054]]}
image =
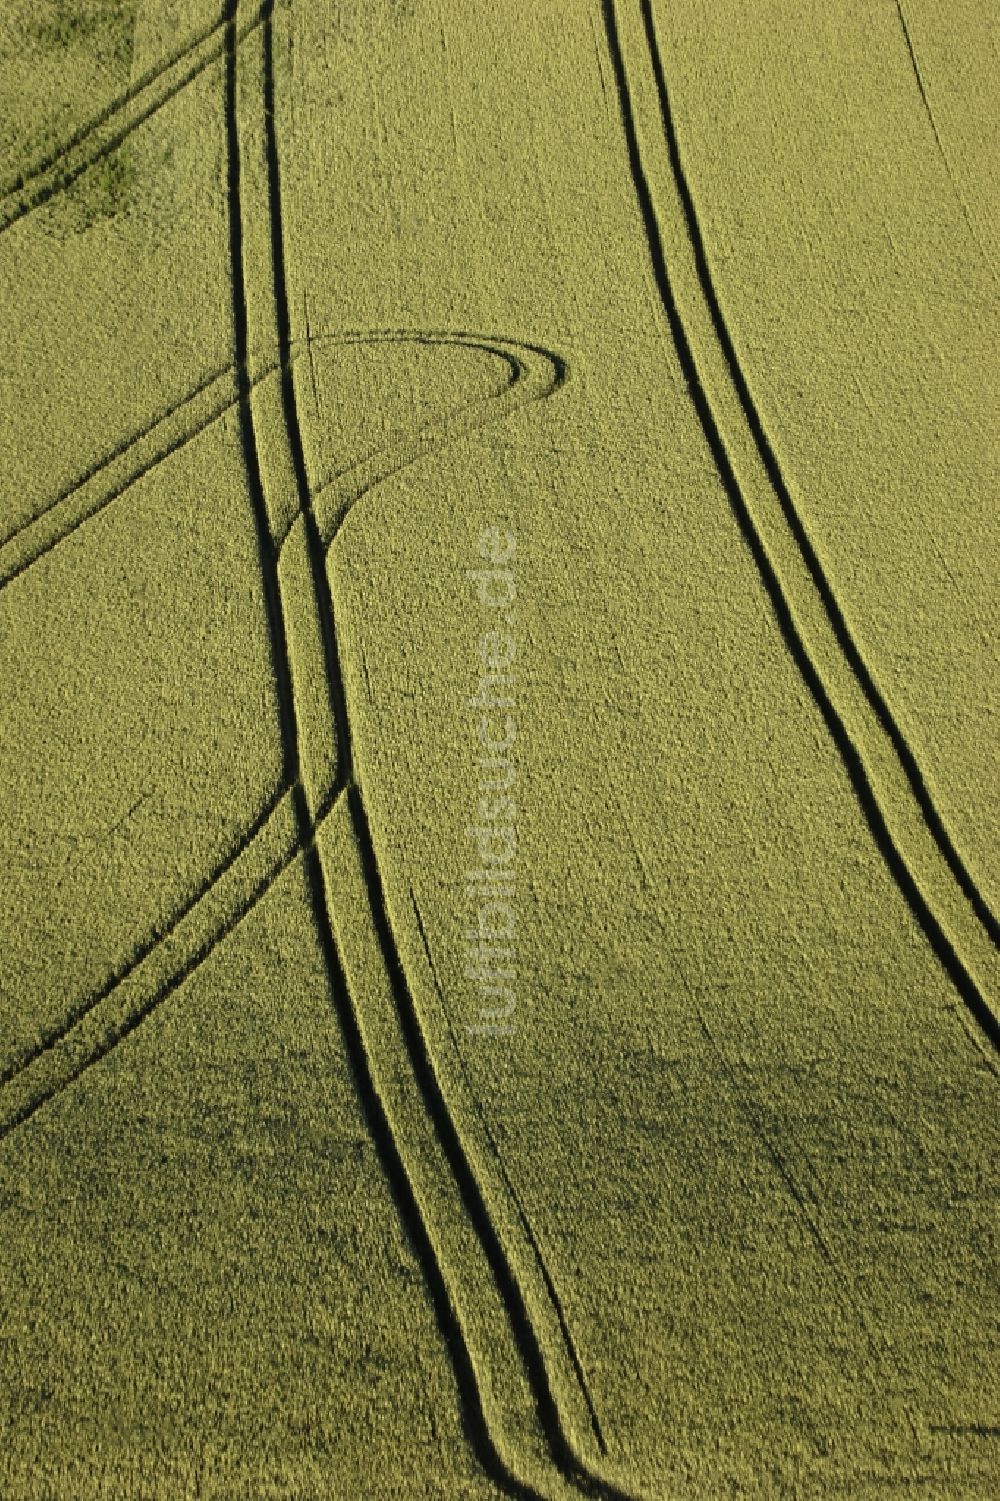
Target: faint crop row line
{"points": [[939, 143], [941, 943]]}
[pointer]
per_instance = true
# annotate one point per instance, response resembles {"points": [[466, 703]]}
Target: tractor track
{"points": [[538, 371], [940, 942], [845, 638], [419, 1054]]}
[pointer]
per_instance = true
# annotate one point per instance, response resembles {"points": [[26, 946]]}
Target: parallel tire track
{"points": [[405, 1198], [71, 509], [845, 637], [52, 1035], [114, 107], [473, 1200], [97, 1026], [390, 1155], [317, 564], [571, 1466], [111, 455], [941, 944], [389, 1152]]}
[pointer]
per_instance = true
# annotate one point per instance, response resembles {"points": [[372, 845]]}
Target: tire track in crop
{"points": [[293, 433], [510, 1187], [118, 451], [572, 1469], [534, 373], [361, 1063], [267, 551], [540, 374], [421, 1064], [940, 942], [543, 372], [841, 627], [133, 993], [37, 537], [290, 792], [82, 1008], [114, 107], [121, 118], [420, 1059]]}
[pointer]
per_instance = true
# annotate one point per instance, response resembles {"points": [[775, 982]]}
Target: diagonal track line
{"points": [[81, 1009], [111, 455], [115, 106]]}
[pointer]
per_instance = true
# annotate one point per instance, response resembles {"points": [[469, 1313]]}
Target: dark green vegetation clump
{"points": [[103, 25], [61, 63]]}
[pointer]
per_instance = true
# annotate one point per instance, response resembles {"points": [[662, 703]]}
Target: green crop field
{"points": [[499, 835]]}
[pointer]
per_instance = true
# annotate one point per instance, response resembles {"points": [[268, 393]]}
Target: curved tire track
{"points": [[526, 363], [378, 467], [68, 510], [534, 373]]}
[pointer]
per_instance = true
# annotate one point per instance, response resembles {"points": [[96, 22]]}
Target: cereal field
{"points": [[499, 884]]}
